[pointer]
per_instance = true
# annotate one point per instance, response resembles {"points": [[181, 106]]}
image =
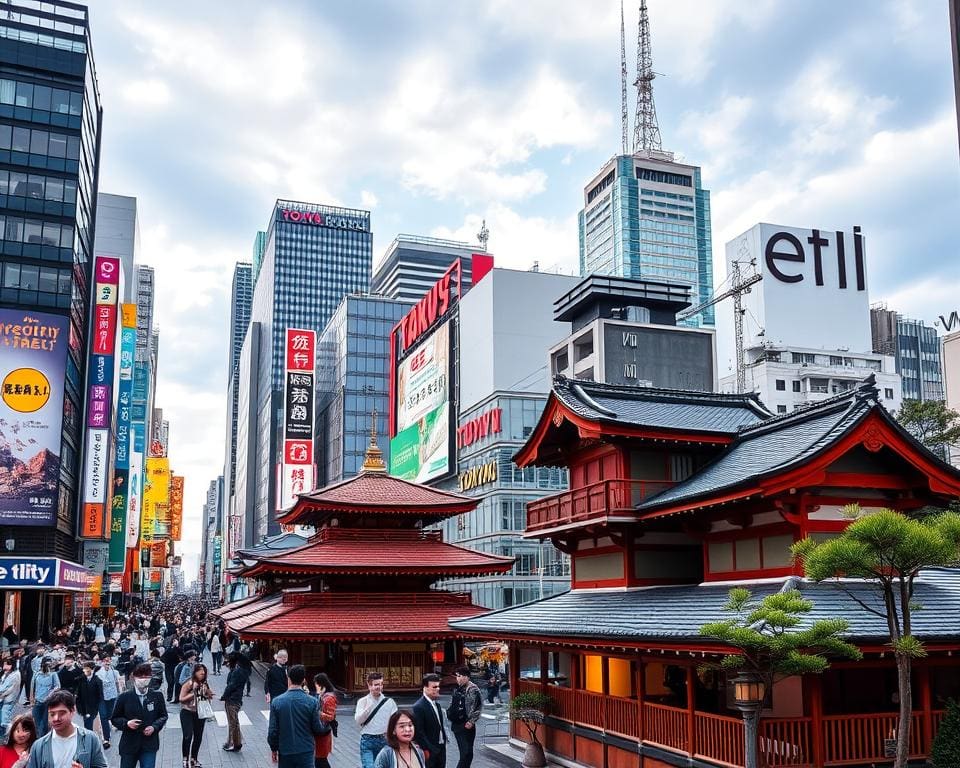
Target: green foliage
{"points": [[530, 702], [945, 751], [931, 422], [770, 639]]}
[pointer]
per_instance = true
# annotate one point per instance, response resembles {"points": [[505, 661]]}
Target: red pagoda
{"points": [[358, 595], [674, 498]]}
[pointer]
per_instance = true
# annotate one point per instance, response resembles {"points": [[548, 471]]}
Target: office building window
{"points": [[796, 386], [781, 385]]}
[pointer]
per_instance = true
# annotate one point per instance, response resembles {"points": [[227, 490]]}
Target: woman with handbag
{"points": [[195, 710], [327, 702]]}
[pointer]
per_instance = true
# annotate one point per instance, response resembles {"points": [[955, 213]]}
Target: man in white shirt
{"points": [[372, 714], [66, 745]]}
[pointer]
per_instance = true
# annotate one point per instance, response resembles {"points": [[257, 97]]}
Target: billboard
{"points": [[135, 490], [156, 493], [421, 449], [814, 289], [33, 358], [297, 467], [124, 442], [100, 383], [176, 507]]}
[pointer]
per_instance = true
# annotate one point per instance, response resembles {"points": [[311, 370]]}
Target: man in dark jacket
{"points": [[233, 699], [275, 682], [294, 721], [140, 714], [89, 694], [70, 674], [464, 713], [171, 658], [428, 722]]}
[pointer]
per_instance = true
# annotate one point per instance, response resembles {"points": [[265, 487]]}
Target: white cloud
{"points": [[368, 199], [149, 92], [718, 133]]}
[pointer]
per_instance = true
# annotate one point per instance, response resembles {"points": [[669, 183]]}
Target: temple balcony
{"points": [[602, 503]]}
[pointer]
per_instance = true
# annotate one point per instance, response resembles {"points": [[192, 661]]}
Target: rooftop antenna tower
{"points": [[483, 235], [624, 118], [646, 132]]}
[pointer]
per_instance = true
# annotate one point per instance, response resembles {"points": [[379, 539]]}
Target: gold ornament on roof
{"points": [[373, 460]]}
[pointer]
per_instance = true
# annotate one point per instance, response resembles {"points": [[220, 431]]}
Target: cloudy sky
{"points": [[435, 115]]}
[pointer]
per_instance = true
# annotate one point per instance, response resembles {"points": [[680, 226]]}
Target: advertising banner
{"points": [[156, 491], [95, 556], [124, 443], [158, 554], [33, 357], [421, 449], [42, 573], [176, 507], [135, 489], [297, 467], [97, 457]]}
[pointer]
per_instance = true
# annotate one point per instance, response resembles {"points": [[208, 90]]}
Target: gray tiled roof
{"points": [[772, 446], [274, 544], [660, 408], [675, 614]]}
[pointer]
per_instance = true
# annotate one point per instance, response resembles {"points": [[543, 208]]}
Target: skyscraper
{"points": [[413, 263], [314, 255], [646, 215], [118, 235], [50, 119], [916, 347]]}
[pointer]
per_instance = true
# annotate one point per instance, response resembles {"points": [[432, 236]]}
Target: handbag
{"points": [[205, 710]]}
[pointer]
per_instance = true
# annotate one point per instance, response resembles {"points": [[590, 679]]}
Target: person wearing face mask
{"points": [[140, 714], [89, 695]]}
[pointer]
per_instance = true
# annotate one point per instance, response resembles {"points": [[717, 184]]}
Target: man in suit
{"points": [[140, 714], [294, 721], [66, 744], [275, 681], [430, 731]]}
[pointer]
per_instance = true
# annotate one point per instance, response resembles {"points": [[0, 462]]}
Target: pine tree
{"points": [[945, 752]]}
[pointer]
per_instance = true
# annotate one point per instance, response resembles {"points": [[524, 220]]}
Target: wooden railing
{"points": [[598, 500], [719, 739], [564, 702], [622, 716], [787, 742], [665, 726], [852, 739], [590, 709]]}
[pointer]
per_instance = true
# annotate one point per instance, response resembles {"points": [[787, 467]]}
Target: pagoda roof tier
{"points": [[670, 616], [380, 552], [272, 545], [333, 616], [801, 450], [583, 410], [375, 493]]}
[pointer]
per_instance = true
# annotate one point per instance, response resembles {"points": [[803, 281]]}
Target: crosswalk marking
{"points": [[265, 713], [221, 719]]}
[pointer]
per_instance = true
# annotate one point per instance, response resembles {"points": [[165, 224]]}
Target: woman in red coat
{"points": [[327, 701]]}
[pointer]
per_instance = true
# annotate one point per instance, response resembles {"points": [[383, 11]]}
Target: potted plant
{"points": [[530, 708]]}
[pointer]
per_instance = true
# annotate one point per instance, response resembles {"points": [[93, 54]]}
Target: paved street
{"points": [[253, 722]]}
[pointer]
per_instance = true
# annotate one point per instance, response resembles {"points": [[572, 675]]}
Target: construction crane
{"points": [[738, 288]]}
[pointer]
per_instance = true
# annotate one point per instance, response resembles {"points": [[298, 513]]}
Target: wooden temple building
{"points": [[357, 596], [674, 498]]}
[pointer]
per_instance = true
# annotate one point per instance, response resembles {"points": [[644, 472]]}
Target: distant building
{"points": [[118, 235], [916, 349], [412, 264], [951, 377], [648, 216]]}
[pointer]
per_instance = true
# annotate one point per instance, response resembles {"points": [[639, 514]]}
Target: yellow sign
{"points": [[156, 493], [26, 390], [128, 315], [477, 476]]}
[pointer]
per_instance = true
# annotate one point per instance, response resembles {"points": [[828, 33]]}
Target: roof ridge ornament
{"points": [[373, 460]]}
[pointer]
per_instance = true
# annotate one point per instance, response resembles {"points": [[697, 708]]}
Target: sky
{"points": [[436, 115]]}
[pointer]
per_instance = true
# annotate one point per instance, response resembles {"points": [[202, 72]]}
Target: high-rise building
{"points": [[648, 216], [916, 348], [259, 245], [352, 382], [50, 120], [241, 302], [211, 548], [118, 235], [313, 257], [412, 264]]}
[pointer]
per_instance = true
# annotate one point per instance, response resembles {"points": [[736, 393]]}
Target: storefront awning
{"points": [[45, 573]]}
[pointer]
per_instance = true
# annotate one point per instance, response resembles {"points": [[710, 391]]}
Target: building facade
{"points": [[353, 382], [648, 216], [951, 380], [50, 121], [314, 255], [413, 263], [916, 348], [118, 235]]}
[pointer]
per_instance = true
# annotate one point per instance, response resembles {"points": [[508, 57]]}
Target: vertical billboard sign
{"points": [[124, 444], [156, 493], [421, 449], [33, 358], [176, 507], [103, 333], [135, 494], [296, 471]]}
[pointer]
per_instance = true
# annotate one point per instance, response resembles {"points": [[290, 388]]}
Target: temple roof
{"points": [[272, 545], [675, 614], [386, 552], [355, 616], [376, 493], [776, 446]]}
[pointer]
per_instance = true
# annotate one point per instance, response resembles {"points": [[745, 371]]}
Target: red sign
{"points": [[431, 307], [488, 423], [104, 328], [305, 217], [300, 350], [107, 270], [298, 452]]}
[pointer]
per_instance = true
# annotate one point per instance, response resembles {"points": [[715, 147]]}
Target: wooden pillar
{"points": [[605, 685], [513, 659], [543, 668], [926, 697], [814, 692], [641, 686], [691, 710]]}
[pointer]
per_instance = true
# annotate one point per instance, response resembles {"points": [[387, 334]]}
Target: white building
{"points": [[951, 376], [807, 322]]}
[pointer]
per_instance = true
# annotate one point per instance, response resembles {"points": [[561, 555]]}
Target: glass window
{"points": [[73, 148], [48, 280], [21, 140], [11, 276], [76, 103], [38, 142], [4, 181], [8, 89], [781, 385], [29, 276], [796, 386], [32, 231], [60, 101], [35, 185], [69, 191], [41, 97], [24, 95], [5, 136], [54, 190], [57, 146], [18, 183], [64, 282], [51, 234], [14, 228]]}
